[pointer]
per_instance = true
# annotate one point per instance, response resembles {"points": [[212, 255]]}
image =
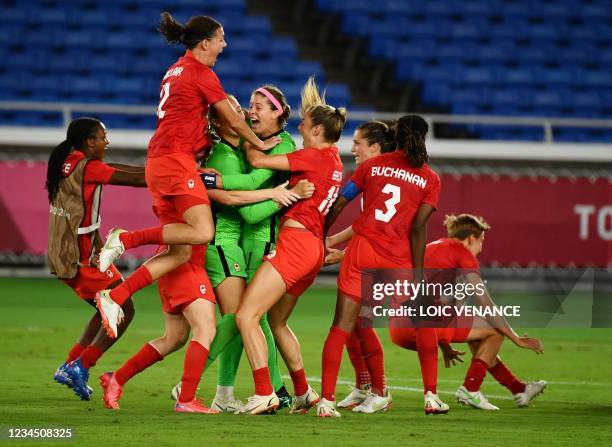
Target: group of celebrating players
{"points": [[260, 244]]}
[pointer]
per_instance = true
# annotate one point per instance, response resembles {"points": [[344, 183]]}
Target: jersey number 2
{"points": [[389, 203], [163, 97]]}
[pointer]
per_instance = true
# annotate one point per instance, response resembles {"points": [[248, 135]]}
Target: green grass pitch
{"points": [[40, 319]]}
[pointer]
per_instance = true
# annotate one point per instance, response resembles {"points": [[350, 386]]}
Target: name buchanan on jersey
{"points": [[398, 173]]}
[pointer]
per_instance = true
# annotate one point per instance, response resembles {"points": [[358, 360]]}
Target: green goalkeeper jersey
{"points": [[228, 160], [258, 228]]}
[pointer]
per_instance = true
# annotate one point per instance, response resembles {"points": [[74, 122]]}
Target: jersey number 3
{"points": [[389, 203], [163, 97]]}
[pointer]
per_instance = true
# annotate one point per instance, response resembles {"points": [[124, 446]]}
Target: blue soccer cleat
{"points": [[61, 376], [79, 375]]}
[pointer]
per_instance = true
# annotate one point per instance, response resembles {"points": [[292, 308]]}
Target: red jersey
{"points": [[322, 167], [392, 191], [187, 90], [96, 173], [444, 257]]}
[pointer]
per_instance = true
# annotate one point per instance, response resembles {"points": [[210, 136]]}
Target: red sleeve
{"points": [[98, 172], [209, 85], [303, 160], [432, 193], [466, 261], [359, 175]]}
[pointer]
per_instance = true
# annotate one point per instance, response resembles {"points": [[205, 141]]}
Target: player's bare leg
{"points": [[175, 336], [289, 347], [265, 289], [201, 317], [484, 354]]}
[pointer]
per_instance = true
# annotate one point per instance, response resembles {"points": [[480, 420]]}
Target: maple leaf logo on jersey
{"points": [[272, 254], [202, 289], [190, 184], [237, 267]]}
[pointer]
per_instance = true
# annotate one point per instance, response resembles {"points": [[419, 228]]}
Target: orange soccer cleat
{"points": [[112, 390], [195, 406]]}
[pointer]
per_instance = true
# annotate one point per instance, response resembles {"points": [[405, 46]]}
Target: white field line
{"points": [[420, 390]]}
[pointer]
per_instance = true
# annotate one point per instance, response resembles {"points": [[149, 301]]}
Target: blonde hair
{"points": [[465, 225], [331, 118]]}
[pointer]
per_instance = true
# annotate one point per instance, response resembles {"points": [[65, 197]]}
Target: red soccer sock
{"points": [[75, 352], [332, 358], [475, 375], [504, 377], [195, 360], [374, 358], [146, 236], [362, 375], [300, 384], [139, 362], [427, 349], [263, 386], [90, 356], [136, 281]]}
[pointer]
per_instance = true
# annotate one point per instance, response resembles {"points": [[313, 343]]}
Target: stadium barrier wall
{"points": [[536, 220]]}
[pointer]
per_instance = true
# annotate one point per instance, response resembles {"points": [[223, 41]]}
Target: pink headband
{"points": [[271, 97]]}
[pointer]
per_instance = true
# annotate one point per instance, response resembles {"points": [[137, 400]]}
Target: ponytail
{"points": [[196, 30], [410, 139], [78, 131]]}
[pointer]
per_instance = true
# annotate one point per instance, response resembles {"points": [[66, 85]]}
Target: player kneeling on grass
{"points": [[446, 257], [75, 176]]}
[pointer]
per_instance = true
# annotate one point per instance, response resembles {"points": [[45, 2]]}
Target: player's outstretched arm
{"points": [[340, 237], [259, 160], [128, 168], [499, 322], [280, 194], [126, 178]]}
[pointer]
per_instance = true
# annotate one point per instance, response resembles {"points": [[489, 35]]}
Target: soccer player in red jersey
{"points": [[369, 140], [290, 269], [75, 175], [445, 258], [400, 192], [187, 90]]}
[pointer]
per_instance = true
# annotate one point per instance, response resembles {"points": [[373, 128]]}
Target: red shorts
{"points": [[175, 186], [89, 281], [185, 284], [405, 337], [298, 258], [360, 256]]}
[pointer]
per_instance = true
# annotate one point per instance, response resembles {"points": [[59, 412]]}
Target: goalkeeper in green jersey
{"points": [[243, 236]]}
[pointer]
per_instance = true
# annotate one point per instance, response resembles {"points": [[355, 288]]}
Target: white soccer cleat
{"points": [[355, 397], [259, 405], [227, 405], [532, 389], [301, 404], [373, 403], [176, 391], [112, 249], [433, 404], [476, 399], [327, 409], [111, 312]]}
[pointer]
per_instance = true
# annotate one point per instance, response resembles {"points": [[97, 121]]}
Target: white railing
{"points": [[438, 148], [547, 124]]}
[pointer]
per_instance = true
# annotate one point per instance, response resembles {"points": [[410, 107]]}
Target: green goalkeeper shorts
{"points": [[223, 261], [254, 251]]}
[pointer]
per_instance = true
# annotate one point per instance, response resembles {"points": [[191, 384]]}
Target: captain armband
{"points": [[350, 191]]}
